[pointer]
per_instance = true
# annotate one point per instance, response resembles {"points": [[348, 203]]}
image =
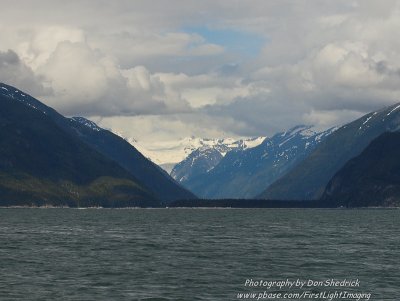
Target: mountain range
{"points": [[299, 164], [49, 159], [211, 151], [83, 160], [309, 178], [167, 154], [245, 173], [370, 179]]}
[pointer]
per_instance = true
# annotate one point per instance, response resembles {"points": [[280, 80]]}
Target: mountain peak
{"points": [[169, 153], [246, 171], [207, 153], [18, 95], [303, 130], [12, 92], [309, 178], [86, 122]]}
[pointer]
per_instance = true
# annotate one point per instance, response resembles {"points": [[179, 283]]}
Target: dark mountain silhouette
{"points": [[41, 164], [152, 177], [370, 179]]}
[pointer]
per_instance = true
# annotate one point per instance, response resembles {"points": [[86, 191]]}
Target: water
{"points": [[192, 254]]}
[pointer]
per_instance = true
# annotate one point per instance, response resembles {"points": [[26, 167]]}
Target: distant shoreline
{"points": [[213, 205]]}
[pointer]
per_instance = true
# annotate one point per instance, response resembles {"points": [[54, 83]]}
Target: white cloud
{"points": [[323, 63], [205, 89], [85, 81], [325, 119], [135, 48]]}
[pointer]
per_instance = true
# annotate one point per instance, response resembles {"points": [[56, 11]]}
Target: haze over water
{"points": [[192, 254]]}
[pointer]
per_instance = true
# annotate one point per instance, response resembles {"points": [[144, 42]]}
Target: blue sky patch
{"points": [[233, 41]]}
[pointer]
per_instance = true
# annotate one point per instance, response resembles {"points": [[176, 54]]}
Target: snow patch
{"points": [[393, 110], [86, 122], [162, 152], [318, 137], [368, 119], [291, 137]]}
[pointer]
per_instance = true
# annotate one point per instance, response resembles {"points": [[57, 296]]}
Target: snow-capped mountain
{"points": [[208, 155], [198, 162], [169, 153], [309, 178], [244, 173]]}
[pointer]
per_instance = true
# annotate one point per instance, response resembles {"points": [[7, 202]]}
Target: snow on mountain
{"points": [[168, 153], [208, 155], [88, 123], [22, 97], [245, 173], [198, 162], [309, 178]]}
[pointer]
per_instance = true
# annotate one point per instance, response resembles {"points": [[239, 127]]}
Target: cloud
{"points": [[86, 81], [136, 48], [176, 66], [156, 130], [15, 72], [205, 89]]}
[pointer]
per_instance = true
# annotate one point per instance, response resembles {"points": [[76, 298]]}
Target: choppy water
{"points": [[192, 254]]}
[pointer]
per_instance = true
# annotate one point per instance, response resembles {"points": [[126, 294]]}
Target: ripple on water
{"points": [[62, 254]]}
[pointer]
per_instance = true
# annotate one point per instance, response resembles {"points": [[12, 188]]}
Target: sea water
{"points": [[199, 254]]}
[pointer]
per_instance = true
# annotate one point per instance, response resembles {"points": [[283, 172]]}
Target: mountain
{"points": [[309, 178], [122, 152], [208, 155], [246, 173], [167, 154], [113, 147], [197, 163], [370, 179], [41, 164]]}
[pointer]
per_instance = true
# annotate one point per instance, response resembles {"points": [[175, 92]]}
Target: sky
{"points": [[163, 70]]}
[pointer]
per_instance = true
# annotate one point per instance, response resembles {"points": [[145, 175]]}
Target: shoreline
{"points": [[200, 208]]}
